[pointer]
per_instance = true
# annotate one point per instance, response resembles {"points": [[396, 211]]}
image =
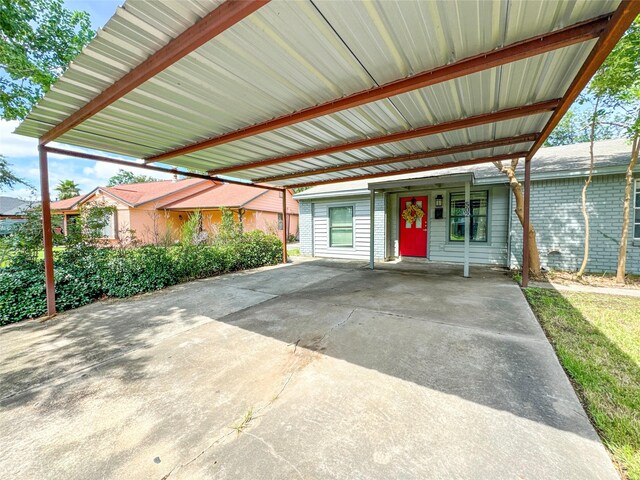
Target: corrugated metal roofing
{"points": [[288, 56], [562, 161]]}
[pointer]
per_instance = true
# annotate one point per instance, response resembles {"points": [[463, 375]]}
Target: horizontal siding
{"points": [[271, 201], [493, 252], [360, 248], [439, 249]]}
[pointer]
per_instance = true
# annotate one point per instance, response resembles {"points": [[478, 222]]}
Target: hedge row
{"points": [[86, 273]]}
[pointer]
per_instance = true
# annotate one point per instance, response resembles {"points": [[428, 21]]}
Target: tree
{"points": [[124, 177], [67, 189], [38, 39], [585, 213], [575, 126], [618, 83], [516, 188], [7, 178]]}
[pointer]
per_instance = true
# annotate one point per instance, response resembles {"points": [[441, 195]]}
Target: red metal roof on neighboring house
{"points": [[225, 195]]}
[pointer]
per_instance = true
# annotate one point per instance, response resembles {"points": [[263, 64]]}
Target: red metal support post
{"points": [[525, 223], [284, 225], [47, 232]]}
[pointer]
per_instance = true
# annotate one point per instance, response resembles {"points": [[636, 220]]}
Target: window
{"points": [[477, 215], [341, 226], [280, 225], [636, 224], [108, 231]]}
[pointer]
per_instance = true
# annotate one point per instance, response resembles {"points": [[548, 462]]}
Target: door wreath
{"points": [[412, 213]]}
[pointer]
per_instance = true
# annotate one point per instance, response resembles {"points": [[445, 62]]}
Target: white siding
{"points": [[492, 252], [439, 248], [361, 229]]}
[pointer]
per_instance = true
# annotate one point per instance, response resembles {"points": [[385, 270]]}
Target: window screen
{"points": [[341, 226], [478, 209]]}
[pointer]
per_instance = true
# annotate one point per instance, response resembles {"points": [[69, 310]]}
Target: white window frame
{"points": [[353, 226], [109, 230]]}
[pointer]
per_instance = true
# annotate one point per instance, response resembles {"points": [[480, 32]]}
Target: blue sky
{"points": [[21, 152]]}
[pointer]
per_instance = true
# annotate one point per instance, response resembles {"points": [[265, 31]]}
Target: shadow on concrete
{"points": [[473, 338]]}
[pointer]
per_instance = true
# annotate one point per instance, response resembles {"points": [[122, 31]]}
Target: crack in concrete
{"points": [[275, 454], [246, 423]]}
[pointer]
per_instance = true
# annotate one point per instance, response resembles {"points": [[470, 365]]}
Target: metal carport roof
{"points": [[296, 93], [293, 93]]}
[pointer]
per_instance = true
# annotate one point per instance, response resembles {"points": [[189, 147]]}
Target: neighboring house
{"points": [[156, 210], [12, 213], [335, 222]]}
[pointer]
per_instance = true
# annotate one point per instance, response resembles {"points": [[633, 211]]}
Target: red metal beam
{"points": [[500, 115], [47, 233], [527, 48], [501, 142], [462, 163], [619, 23], [125, 163], [213, 24]]}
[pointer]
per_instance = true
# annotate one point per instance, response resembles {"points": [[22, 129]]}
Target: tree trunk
{"points": [[585, 214], [626, 207], [516, 188]]}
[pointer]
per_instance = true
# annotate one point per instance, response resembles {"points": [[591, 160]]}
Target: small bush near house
{"points": [[86, 271]]}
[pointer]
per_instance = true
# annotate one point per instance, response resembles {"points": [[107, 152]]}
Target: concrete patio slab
{"points": [[313, 370]]}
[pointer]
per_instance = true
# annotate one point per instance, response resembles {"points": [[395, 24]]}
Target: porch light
{"points": [[439, 211]]}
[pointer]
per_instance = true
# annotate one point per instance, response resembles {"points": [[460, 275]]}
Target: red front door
{"points": [[413, 234]]}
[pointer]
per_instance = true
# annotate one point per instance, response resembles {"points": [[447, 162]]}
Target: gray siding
{"points": [[314, 221], [439, 249], [556, 213]]}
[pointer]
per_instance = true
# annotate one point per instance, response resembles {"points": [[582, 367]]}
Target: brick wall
{"points": [[556, 213], [306, 230]]}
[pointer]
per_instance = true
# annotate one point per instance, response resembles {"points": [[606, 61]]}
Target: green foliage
{"points": [[38, 39], [191, 229], [125, 177], [138, 270], [617, 81], [85, 272], [26, 241], [575, 126], [229, 230], [7, 179], [67, 189]]}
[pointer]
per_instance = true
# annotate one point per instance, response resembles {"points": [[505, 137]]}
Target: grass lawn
{"points": [[597, 339], [40, 256]]}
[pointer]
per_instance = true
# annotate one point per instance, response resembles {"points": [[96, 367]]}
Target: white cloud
{"points": [[22, 154], [16, 146]]}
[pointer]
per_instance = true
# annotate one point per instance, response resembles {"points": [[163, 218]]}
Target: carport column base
{"points": [[467, 226], [372, 215]]}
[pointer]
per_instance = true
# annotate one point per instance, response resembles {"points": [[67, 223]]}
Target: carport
{"points": [[292, 94]]}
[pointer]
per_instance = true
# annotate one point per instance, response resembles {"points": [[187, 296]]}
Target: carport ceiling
{"points": [[307, 92]]}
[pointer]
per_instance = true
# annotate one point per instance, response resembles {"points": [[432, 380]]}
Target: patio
{"points": [[320, 369]]}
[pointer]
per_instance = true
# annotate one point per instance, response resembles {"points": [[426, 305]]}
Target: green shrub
{"points": [[85, 272], [256, 249], [138, 270]]}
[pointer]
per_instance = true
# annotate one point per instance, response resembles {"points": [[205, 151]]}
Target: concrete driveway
{"points": [[314, 370]]}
